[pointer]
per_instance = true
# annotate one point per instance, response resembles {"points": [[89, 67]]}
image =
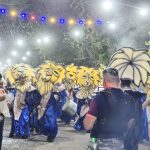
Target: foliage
{"points": [[93, 49]]}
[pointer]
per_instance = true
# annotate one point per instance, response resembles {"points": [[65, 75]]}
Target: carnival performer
{"points": [[62, 97], [70, 87], [33, 99], [48, 74], [20, 76], [87, 80]]}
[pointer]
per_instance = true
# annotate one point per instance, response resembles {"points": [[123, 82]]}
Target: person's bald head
{"points": [[111, 78]]}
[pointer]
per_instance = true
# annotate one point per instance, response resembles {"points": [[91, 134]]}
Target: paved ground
{"points": [[67, 139]]}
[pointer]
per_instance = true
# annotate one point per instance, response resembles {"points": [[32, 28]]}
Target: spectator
{"points": [[110, 113]]}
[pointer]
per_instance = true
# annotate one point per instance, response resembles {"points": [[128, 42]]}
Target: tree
{"points": [[94, 48]]}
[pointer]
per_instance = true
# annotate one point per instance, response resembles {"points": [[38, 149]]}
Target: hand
{"points": [[131, 123], [2, 98]]}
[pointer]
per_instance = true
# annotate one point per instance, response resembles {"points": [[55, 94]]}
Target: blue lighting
{"points": [[3, 11], [43, 18], [62, 21], [23, 15], [81, 22], [99, 22]]}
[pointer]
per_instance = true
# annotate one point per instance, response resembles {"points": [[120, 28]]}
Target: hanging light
{"points": [[43, 18], [33, 18], [52, 20], [81, 22], [3, 11], [62, 21], [71, 22], [89, 22], [13, 13]]}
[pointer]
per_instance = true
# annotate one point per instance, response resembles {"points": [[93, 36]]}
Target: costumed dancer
{"points": [[87, 80], [48, 74], [71, 90], [33, 99], [64, 97], [20, 76]]}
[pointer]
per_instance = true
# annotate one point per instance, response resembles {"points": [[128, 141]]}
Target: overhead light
{"points": [[143, 12], [20, 42], [107, 5], [39, 41], [112, 26], [28, 53], [14, 53], [24, 58], [45, 39]]}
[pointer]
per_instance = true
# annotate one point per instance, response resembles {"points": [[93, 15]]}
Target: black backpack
{"points": [[117, 110]]}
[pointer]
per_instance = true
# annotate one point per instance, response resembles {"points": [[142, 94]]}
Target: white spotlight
{"points": [[112, 25], [28, 53], [14, 53], [8, 60], [76, 33], [143, 12], [45, 39], [20, 42], [24, 58], [107, 5], [39, 41]]}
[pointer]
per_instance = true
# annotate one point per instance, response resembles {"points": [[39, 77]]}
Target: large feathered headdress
{"points": [[20, 76], [47, 75]]}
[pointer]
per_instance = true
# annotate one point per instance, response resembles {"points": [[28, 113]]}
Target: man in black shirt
{"points": [[110, 113]]}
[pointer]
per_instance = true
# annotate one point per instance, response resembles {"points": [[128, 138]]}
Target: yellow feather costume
{"points": [[47, 75], [70, 76], [20, 76]]}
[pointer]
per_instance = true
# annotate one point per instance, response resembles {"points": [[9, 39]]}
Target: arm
{"points": [[91, 116], [89, 122], [146, 103]]}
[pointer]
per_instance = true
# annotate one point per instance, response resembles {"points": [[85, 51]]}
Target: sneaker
{"points": [[11, 135], [49, 139]]}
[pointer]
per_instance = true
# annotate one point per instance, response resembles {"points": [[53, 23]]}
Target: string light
{"points": [[71, 22], [81, 22], [33, 18], [23, 15], [52, 20], [99, 22], [89, 22], [62, 21], [3, 11], [43, 18], [13, 13]]}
